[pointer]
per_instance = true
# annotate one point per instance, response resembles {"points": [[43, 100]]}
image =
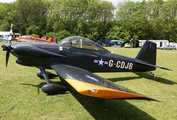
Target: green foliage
{"points": [[81, 17], [25, 13], [33, 29], [4, 26], [3, 12], [95, 19], [117, 33], [59, 35], [149, 19]]}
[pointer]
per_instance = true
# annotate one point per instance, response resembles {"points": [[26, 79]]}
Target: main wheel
{"points": [[53, 89]]}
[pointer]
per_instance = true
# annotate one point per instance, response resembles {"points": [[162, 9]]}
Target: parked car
{"points": [[127, 45], [169, 47]]}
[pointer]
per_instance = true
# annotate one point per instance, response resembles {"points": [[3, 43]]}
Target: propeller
{"points": [[7, 57], [7, 46]]}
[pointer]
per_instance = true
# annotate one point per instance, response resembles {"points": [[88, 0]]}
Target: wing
{"points": [[89, 84]]}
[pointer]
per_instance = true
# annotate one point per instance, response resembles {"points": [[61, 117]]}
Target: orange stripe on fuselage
{"points": [[99, 91]]}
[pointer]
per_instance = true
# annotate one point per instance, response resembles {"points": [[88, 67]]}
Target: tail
{"points": [[148, 53], [53, 39], [147, 57]]}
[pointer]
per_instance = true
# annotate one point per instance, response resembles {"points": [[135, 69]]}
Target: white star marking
{"points": [[101, 62]]}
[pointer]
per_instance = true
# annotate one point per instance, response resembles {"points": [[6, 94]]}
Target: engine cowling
{"points": [[22, 63]]}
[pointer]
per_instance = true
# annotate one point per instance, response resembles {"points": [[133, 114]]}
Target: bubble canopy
{"points": [[82, 43]]}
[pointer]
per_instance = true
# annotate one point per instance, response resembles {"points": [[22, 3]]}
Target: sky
{"points": [[113, 1], [7, 1]]}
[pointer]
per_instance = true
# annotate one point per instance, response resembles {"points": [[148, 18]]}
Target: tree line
{"points": [[94, 19]]}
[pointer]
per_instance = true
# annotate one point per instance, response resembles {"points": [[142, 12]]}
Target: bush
{"points": [[59, 35]]}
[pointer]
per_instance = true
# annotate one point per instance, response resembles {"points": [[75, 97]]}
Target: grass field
{"points": [[21, 96]]}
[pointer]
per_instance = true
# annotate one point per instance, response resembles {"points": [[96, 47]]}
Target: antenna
{"points": [[114, 50]]}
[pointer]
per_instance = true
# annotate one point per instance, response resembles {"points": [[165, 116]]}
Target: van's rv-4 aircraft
{"points": [[75, 58]]}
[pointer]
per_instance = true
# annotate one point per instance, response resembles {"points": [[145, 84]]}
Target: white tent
{"points": [[5, 33]]}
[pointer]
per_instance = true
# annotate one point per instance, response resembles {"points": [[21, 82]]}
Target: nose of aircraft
{"points": [[6, 47]]}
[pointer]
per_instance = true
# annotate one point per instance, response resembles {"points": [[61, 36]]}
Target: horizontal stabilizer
{"points": [[163, 68], [151, 65], [89, 84]]}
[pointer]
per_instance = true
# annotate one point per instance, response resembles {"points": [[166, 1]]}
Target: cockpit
{"points": [[81, 42]]}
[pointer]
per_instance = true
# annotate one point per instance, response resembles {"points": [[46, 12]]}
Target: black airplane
{"points": [[75, 58]]}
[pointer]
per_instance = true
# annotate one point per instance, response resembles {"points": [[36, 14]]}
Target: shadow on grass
{"points": [[108, 109], [41, 84], [158, 79], [143, 75], [37, 86], [104, 109]]}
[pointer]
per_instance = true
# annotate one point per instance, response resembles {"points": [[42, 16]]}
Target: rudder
{"points": [[53, 39]]}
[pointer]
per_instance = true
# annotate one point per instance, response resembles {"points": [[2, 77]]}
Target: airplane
{"points": [[5, 34], [76, 59], [2, 39], [29, 38]]}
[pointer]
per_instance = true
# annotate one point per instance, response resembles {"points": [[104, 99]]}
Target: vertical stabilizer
{"points": [[53, 39], [148, 53]]}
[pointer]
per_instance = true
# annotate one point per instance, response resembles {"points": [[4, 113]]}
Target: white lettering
{"points": [[130, 66], [126, 67], [122, 64], [111, 62], [118, 64]]}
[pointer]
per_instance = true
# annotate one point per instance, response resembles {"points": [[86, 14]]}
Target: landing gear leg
{"points": [[49, 74], [43, 72], [51, 88]]}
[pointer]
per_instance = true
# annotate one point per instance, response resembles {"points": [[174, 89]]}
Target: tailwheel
{"points": [[152, 74]]}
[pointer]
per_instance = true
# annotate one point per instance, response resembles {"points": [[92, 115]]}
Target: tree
{"points": [[33, 29], [60, 35], [29, 12], [118, 33], [5, 19]]}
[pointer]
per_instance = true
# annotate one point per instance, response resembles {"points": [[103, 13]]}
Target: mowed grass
{"points": [[21, 96]]}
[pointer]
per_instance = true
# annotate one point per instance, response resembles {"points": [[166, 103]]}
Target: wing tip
{"points": [[140, 98], [166, 68]]}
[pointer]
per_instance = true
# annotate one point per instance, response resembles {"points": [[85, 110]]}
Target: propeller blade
{"points": [[7, 57], [7, 46]]}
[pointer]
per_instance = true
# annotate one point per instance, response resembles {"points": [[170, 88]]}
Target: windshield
{"points": [[81, 42]]}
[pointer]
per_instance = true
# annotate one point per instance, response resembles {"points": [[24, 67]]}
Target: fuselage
{"points": [[46, 54]]}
